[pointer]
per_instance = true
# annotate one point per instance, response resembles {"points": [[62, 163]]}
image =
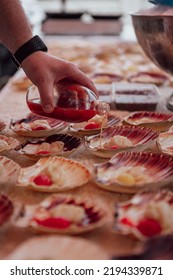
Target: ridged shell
{"points": [[94, 216], [58, 247], [65, 174], [156, 121], [6, 209], [7, 143], [146, 215], [80, 130], [70, 144], [165, 143], [131, 172], [55, 126], [141, 138], [8, 170], [103, 78], [148, 77], [21, 83], [2, 125]]}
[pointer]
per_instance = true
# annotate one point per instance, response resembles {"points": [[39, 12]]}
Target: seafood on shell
{"points": [[7, 143], [9, 171], [37, 126], [165, 142], [157, 121], [56, 144], [64, 214], [148, 77], [2, 125], [6, 209], [94, 125], [131, 172], [53, 174], [146, 215], [21, 83], [103, 77], [121, 138]]}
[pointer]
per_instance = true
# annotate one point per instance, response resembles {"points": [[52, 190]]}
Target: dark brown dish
{"points": [[136, 97]]}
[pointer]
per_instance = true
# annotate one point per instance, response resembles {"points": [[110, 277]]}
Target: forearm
{"points": [[40, 67], [14, 27]]}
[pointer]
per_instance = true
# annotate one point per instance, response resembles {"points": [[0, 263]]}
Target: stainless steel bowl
{"points": [[155, 35]]}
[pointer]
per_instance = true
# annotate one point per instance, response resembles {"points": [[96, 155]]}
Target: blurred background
{"points": [[75, 18]]}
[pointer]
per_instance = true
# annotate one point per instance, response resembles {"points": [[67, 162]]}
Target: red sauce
{"points": [[126, 222], [149, 227], [92, 125], [114, 147], [42, 180], [64, 114], [39, 128], [43, 153], [53, 222]]}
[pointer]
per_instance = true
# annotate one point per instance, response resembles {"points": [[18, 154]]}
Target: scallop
{"points": [[121, 138], [9, 171], [7, 143], [57, 247], [165, 143], [37, 126], [64, 214], [94, 125], [53, 174], [146, 215], [21, 83], [105, 78], [2, 125], [57, 144], [6, 209], [131, 172], [157, 78], [157, 121]]}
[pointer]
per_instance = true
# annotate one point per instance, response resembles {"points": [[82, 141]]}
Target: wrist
{"points": [[33, 45]]}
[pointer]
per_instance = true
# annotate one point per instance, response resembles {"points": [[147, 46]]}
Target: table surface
{"points": [[103, 242]]}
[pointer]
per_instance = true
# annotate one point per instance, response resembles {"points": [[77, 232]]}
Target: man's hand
{"points": [[45, 70]]}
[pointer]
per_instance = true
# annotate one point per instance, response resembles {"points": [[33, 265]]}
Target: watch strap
{"points": [[33, 45]]}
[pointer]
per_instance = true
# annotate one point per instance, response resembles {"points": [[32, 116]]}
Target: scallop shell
{"points": [[7, 143], [130, 138], [103, 78], [55, 126], [146, 215], [8, 170], [22, 83], [131, 172], [156, 121], [80, 130], [2, 125], [58, 247], [78, 215], [165, 143], [148, 77], [6, 209], [68, 144], [63, 174]]}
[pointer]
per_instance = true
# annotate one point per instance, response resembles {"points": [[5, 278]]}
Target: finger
{"points": [[47, 100]]}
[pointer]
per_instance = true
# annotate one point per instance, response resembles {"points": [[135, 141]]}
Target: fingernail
{"points": [[48, 108]]}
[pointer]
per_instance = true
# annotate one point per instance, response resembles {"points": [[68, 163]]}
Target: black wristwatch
{"points": [[33, 45]]}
